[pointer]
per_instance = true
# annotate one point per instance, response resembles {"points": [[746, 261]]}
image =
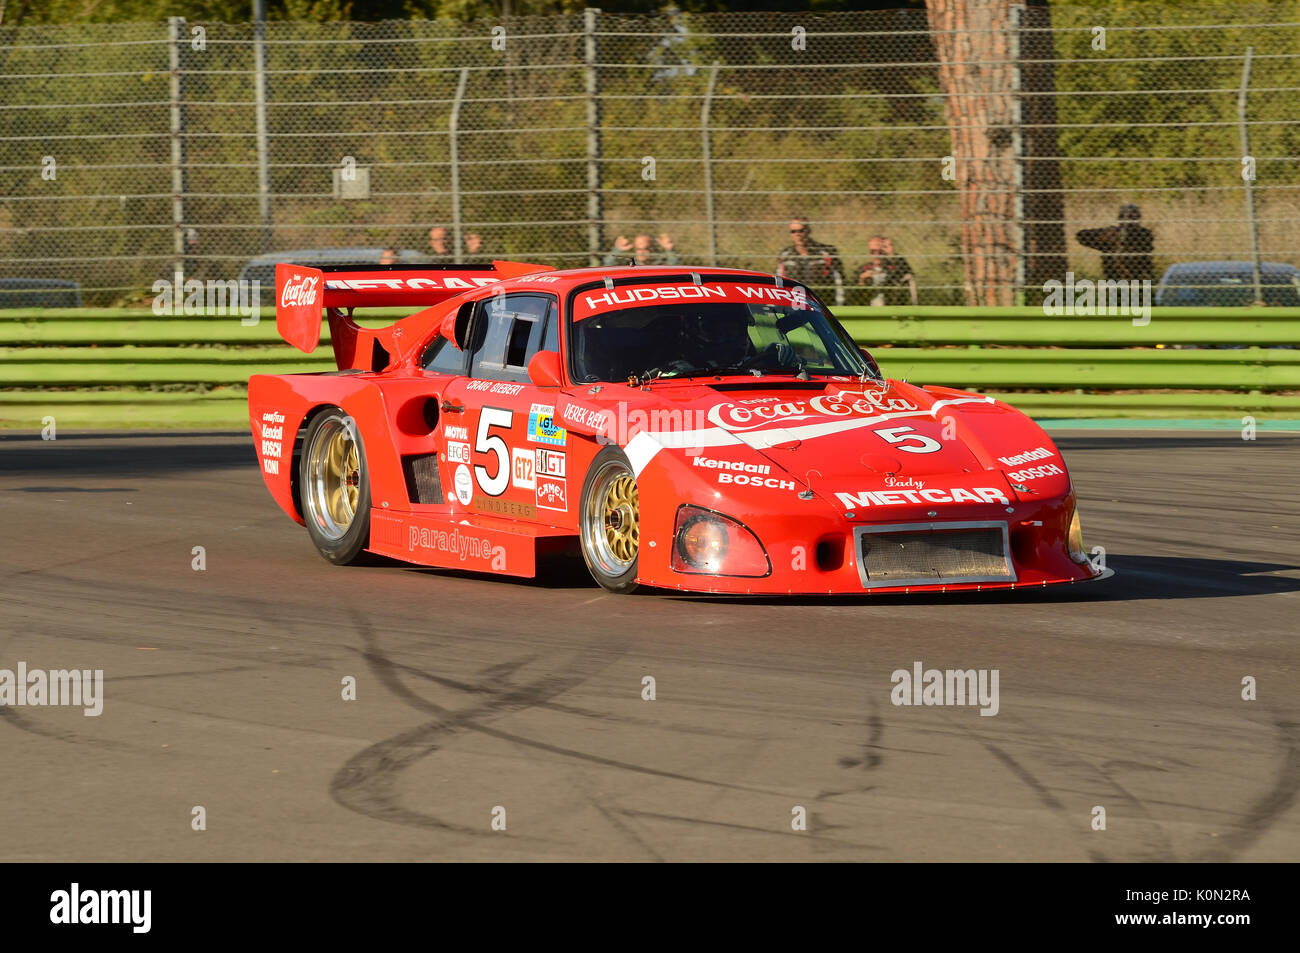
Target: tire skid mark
{"points": [[870, 760], [616, 820], [1040, 790], [10, 716], [556, 706], [1274, 803], [753, 828], [1160, 847], [367, 783]]}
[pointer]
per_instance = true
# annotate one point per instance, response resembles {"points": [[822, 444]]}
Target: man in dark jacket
{"points": [[810, 262], [888, 275], [1125, 248]]}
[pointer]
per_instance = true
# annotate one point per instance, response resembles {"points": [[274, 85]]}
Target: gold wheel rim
{"points": [[342, 478], [622, 518], [335, 478]]}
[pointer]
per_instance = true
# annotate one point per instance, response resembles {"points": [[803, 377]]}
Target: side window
{"points": [[508, 331], [444, 357], [551, 336]]}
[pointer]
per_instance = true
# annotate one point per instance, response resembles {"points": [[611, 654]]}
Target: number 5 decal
{"points": [[899, 436], [491, 443]]}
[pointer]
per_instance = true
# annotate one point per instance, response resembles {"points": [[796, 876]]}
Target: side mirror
{"points": [[456, 324], [544, 369]]}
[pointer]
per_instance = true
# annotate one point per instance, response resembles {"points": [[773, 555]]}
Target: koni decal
{"points": [[271, 435]]}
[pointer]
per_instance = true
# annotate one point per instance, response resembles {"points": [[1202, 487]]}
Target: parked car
{"points": [[39, 293], [1228, 284], [262, 268]]}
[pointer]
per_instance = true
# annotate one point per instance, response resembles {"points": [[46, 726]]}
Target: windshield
{"points": [[685, 340]]}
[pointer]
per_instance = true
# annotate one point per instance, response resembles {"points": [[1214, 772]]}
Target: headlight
{"points": [[1077, 552], [710, 543], [702, 542]]}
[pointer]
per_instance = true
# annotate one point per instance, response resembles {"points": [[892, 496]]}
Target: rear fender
{"points": [[280, 407]]}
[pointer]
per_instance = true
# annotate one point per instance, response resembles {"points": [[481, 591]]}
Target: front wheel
{"points": [[610, 521], [335, 487]]}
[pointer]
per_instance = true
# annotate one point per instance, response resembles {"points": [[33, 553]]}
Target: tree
{"points": [[979, 72]]}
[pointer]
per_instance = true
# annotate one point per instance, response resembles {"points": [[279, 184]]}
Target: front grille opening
{"points": [[976, 554]]}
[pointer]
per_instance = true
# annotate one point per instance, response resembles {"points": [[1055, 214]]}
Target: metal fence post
{"points": [[595, 211], [707, 146], [175, 32], [453, 156], [1018, 153], [1249, 179], [259, 98]]}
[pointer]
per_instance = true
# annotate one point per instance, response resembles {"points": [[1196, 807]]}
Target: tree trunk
{"points": [[976, 72]]}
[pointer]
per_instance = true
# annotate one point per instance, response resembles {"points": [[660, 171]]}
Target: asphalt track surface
{"points": [[223, 687]]}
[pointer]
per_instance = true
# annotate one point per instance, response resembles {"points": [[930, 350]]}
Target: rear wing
{"points": [[302, 292]]}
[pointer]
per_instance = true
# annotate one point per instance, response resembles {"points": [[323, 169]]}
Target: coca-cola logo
{"points": [[738, 417], [299, 290]]}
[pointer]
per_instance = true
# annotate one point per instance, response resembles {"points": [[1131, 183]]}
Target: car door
{"points": [[509, 423]]}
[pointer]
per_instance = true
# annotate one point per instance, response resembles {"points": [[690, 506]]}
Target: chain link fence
{"points": [[129, 151]]}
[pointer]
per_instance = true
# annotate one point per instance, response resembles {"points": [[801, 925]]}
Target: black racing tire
{"points": [[609, 521], [334, 486]]}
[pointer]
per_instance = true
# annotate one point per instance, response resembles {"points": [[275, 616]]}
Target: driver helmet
{"points": [[718, 336]]}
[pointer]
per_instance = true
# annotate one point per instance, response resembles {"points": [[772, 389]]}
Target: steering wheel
{"points": [[780, 350], [672, 366]]}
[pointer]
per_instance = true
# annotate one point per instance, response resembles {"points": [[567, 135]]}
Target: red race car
{"points": [[710, 431]]}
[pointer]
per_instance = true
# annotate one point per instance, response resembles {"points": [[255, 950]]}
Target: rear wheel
{"points": [[610, 521], [335, 487]]}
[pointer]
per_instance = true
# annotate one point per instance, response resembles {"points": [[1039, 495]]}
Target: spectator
{"points": [[389, 256], [812, 263], [1125, 248], [887, 275], [473, 243], [440, 245], [641, 249]]}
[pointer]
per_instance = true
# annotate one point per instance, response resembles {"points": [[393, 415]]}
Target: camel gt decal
{"points": [[552, 494]]}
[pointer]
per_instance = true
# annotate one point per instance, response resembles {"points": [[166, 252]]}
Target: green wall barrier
{"points": [[127, 368]]}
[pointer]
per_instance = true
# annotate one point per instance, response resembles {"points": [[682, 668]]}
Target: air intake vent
{"points": [[933, 554], [423, 485]]}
